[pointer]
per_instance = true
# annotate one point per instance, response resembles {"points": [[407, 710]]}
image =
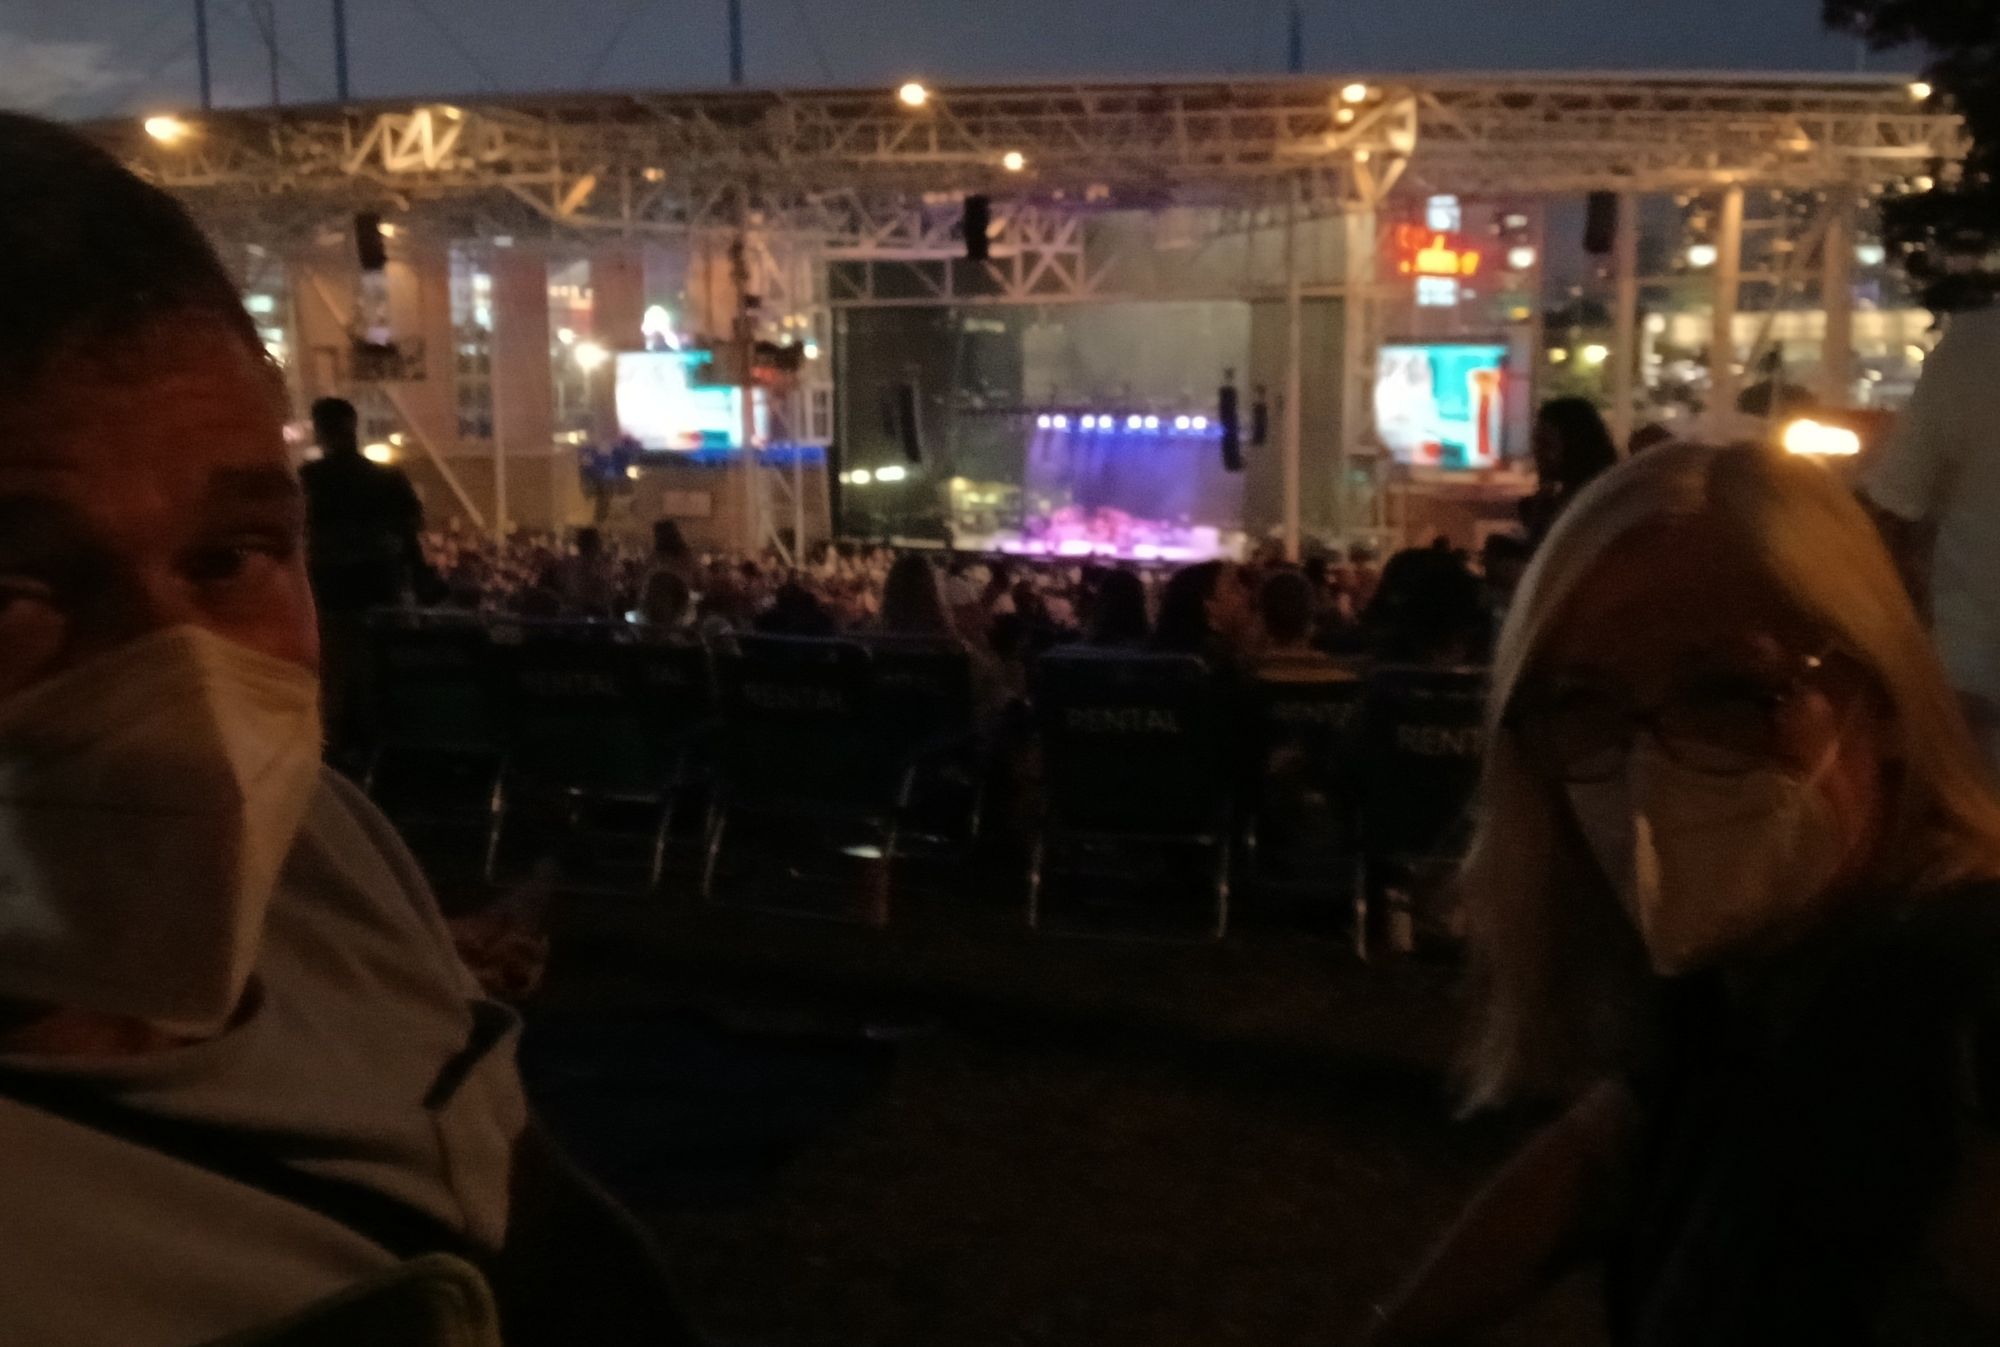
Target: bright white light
{"points": [[812, 350], [567, 336], [1134, 422], [1013, 161], [589, 355], [167, 129], [1923, 182], [1701, 255], [1812, 439], [1557, 355], [379, 452], [1343, 115], [1920, 90], [1090, 423], [632, 473], [913, 95], [387, 229], [895, 472], [1062, 422], [1045, 421], [1520, 257], [1354, 93], [861, 477], [1596, 353], [1870, 254], [1201, 423], [1152, 423], [261, 303], [1183, 422]]}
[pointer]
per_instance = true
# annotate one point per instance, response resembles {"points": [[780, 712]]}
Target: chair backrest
{"points": [[1423, 741], [579, 714], [435, 685], [922, 689], [1134, 744], [1312, 721], [798, 728]]}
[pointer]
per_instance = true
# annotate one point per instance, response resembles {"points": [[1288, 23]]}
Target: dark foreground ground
{"points": [[954, 1132]]}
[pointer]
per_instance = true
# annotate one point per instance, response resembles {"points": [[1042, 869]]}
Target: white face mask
{"points": [[1706, 864], [148, 798]]}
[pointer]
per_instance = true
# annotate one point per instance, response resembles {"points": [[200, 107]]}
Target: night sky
{"points": [[111, 56]]}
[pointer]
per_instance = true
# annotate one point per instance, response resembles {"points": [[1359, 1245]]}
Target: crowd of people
{"points": [[1733, 899]]}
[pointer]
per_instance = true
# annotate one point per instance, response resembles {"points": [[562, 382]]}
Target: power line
{"points": [[596, 65], [812, 40]]}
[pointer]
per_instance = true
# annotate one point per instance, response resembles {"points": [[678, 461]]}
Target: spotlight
{"points": [[379, 452], [1700, 255], [1045, 422], [895, 472], [1354, 93], [861, 477], [1596, 354], [589, 355], [1090, 423], [1520, 257], [1013, 161], [1183, 422], [1134, 422], [1152, 423], [1920, 90], [167, 129], [1201, 423], [1062, 422], [913, 95]]}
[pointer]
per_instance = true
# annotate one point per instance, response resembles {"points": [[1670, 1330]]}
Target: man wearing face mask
{"points": [[241, 1068]]}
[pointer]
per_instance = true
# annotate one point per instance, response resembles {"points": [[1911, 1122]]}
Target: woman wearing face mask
{"points": [[1733, 894]]}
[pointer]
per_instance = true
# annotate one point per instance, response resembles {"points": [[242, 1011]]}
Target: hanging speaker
{"points": [[1260, 419], [369, 249], [909, 429], [1600, 223], [978, 228], [1230, 417]]}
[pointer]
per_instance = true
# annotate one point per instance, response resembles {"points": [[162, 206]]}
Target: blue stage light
{"points": [[1134, 422]]}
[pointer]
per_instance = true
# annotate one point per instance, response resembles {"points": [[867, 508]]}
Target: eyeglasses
{"points": [[1724, 721]]}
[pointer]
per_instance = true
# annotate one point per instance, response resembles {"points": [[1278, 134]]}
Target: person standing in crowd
{"points": [[242, 1069], [1733, 896], [1936, 484], [1205, 610], [1286, 620], [1428, 611], [1118, 613], [671, 554], [363, 523], [587, 579], [1571, 445], [912, 602]]}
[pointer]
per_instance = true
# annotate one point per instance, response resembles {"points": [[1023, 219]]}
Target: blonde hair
{"points": [[1561, 975]]}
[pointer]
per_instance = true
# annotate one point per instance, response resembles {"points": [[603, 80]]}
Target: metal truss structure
{"points": [[855, 168]]}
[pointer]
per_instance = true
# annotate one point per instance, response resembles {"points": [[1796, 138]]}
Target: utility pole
{"points": [[736, 43], [201, 53], [341, 89], [1296, 49]]}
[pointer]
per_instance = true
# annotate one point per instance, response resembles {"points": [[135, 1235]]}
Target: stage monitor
{"points": [[1442, 404], [663, 408]]}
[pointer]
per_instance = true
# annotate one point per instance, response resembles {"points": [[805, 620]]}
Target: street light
{"points": [[167, 129], [913, 95]]}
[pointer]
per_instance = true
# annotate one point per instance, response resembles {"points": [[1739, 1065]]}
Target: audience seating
{"points": [[440, 733], [1300, 785]]}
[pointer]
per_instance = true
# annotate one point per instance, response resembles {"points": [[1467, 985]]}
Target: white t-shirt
{"points": [[1942, 466], [371, 1057]]}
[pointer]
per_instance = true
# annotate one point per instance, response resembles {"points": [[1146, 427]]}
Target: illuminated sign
{"points": [[1433, 252]]}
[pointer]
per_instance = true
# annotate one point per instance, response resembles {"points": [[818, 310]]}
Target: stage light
{"points": [[1520, 257], [1045, 421], [860, 477], [913, 95], [1920, 90], [895, 472], [379, 452], [1813, 439], [1090, 423], [1700, 255], [589, 355], [1183, 422], [1062, 422], [1557, 355], [387, 230], [1596, 353], [167, 129], [1923, 182], [632, 473], [1343, 116], [1134, 422], [1152, 423], [812, 350], [1354, 93], [1870, 254], [1201, 423], [566, 335], [1013, 161]]}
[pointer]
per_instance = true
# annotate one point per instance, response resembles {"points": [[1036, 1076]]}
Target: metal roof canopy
{"points": [[838, 163]]}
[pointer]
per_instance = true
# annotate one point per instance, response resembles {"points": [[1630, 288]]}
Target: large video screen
{"points": [[661, 406], [1442, 404]]}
